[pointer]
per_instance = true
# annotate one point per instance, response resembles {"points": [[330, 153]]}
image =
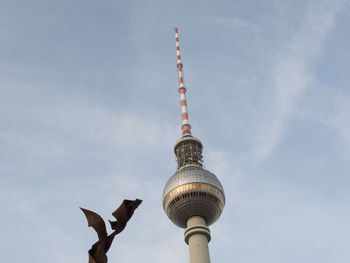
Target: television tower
{"points": [[193, 198]]}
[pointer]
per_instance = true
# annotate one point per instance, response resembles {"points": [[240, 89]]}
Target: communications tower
{"points": [[193, 198]]}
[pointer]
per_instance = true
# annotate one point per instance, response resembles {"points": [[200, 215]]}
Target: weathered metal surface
{"points": [[97, 253]]}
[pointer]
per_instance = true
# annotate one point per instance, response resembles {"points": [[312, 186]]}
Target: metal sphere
{"points": [[193, 191]]}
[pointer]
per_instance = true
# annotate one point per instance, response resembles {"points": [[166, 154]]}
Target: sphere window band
{"points": [[182, 191], [194, 194], [186, 187]]}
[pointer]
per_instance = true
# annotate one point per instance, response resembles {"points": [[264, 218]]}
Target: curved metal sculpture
{"points": [[97, 253]]}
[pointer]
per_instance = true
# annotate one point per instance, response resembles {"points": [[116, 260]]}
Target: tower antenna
{"points": [[186, 127]]}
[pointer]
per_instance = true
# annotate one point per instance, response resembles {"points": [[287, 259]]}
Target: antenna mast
{"points": [[186, 127]]}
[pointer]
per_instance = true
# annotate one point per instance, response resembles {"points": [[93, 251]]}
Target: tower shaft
{"points": [[197, 236]]}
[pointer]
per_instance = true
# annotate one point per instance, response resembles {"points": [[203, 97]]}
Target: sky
{"points": [[90, 112]]}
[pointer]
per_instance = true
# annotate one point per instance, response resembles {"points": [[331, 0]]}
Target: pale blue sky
{"points": [[89, 114]]}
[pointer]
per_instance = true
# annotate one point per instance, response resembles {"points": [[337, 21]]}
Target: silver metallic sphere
{"points": [[193, 191]]}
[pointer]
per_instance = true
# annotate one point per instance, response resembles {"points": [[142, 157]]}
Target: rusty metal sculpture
{"points": [[97, 253]]}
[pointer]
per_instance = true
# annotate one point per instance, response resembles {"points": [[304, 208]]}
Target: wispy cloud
{"points": [[339, 120], [292, 74]]}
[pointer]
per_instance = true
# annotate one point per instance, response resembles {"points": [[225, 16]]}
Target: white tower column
{"points": [[197, 236]]}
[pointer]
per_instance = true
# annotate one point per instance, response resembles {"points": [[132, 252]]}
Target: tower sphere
{"points": [[193, 191]]}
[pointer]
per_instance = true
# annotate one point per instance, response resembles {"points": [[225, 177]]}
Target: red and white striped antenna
{"points": [[186, 127]]}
